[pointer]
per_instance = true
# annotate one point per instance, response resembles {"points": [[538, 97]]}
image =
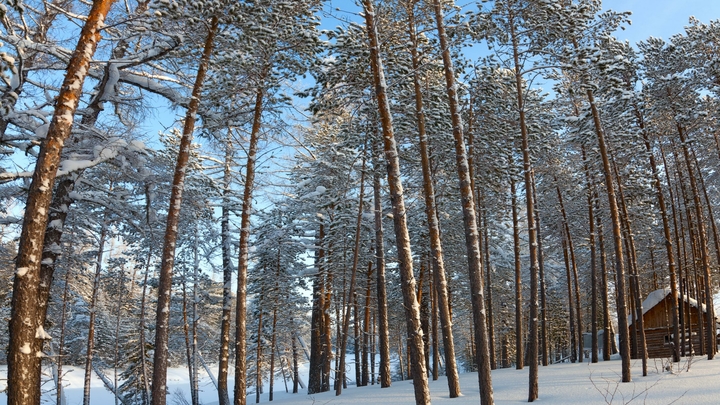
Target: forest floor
{"points": [[560, 384]]}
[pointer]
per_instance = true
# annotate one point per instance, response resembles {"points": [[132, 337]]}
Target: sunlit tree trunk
{"points": [[240, 389], [472, 236], [25, 341], [702, 246], [412, 311], [381, 299], [519, 331], [593, 260], [436, 250], [224, 363], [617, 242], [350, 297], [162, 322]]}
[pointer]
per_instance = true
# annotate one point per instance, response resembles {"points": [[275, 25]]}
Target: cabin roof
{"points": [[657, 297]]}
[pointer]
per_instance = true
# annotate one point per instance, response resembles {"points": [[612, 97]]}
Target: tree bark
{"points": [[93, 302], [436, 250], [541, 275], [412, 312], [617, 241], [381, 299], [25, 339], [315, 378], [472, 237], [162, 324], [576, 281], [593, 259], [350, 299], [702, 246], [224, 363], [667, 235], [519, 346], [240, 389]]}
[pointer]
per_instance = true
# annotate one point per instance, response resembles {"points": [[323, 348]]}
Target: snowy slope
{"points": [[560, 384]]}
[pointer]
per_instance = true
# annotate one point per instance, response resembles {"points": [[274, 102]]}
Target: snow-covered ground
{"points": [[560, 384]]}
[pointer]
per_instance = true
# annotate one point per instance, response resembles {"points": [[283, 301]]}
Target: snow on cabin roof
{"points": [[658, 296]]}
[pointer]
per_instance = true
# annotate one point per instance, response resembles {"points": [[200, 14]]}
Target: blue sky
{"points": [[658, 18], [662, 18]]}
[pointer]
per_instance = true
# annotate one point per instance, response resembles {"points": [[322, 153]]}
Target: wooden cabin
{"points": [[657, 322]]}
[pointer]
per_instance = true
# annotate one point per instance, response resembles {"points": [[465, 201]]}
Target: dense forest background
{"points": [[456, 187]]}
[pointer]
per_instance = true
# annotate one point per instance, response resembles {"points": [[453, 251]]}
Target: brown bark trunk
{"points": [[25, 339], [576, 281], [634, 275], [604, 293], [488, 292], [381, 299], [571, 306], [472, 237], [162, 322], [224, 363], [668, 238], [91, 309], [519, 357], [240, 389], [259, 353], [273, 342], [530, 212], [315, 377], [541, 275], [412, 312], [353, 273], [617, 241], [676, 229], [593, 259], [365, 378], [702, 247], [436, 250]]}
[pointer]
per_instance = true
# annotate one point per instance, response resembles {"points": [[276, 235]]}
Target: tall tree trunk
{"points": [[295, 366], [541, 274], [315, 378], [576, 281], [617, 242], [593, 259], [25, 341], [224, 364], [186, 335], [194, 390], [162, 322], [604, 290], [676, 233], [365, 378], [350, 299], [412, 312], [356, 341], [519, 357], [93, 302], [472, 237], [273, 342], [60, 395], [435, 335], [702, 246], [488, 289], [530, 212], [240, 389], [634, 274], [381, 299], [436, 250], [667, 235], [259, 353], [571, 307]]}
